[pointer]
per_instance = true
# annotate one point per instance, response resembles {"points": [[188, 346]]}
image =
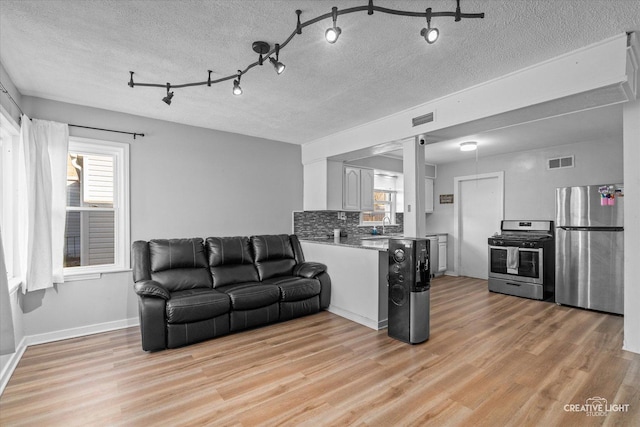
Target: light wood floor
{"points": [[491, 360]]}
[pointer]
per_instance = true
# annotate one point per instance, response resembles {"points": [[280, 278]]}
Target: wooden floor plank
{"points": [[491, 359]]}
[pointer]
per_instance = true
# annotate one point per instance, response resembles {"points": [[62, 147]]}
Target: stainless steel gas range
{"points": [[522, 259]]}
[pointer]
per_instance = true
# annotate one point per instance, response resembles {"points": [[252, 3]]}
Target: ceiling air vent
{"points": [[420, 120], [560, 162]]}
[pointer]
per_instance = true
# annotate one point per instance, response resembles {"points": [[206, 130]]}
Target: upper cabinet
{"points": [[366, 189], [428, 195], [357, 189]]}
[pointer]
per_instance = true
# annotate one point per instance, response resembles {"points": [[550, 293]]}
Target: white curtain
{"points": [[7, 336], [42, 178]]}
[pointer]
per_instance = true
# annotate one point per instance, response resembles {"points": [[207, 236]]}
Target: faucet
{"points": [[388, 219]]}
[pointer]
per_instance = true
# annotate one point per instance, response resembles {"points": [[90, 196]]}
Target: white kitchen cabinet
{"points": [[366, 189], [442, 253], [428, 195], [357, 189], [351, 191]]}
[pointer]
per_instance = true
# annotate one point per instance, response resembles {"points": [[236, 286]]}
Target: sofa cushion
{"points": [[196, 304], [167, 254], [274, 255], [179, 264], [295, 288], [179, 279], [248, 296], [231, 261]]}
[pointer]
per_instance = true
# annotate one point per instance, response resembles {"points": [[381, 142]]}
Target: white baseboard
{"points": [[81, 331], [8, 369], [373, 324], [11, 365]]}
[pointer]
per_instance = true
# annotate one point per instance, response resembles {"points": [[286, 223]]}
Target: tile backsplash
{"points": [[322, 223]]}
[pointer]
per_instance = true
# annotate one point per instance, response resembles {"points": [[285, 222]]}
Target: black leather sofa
{"points": [[190, 290]]}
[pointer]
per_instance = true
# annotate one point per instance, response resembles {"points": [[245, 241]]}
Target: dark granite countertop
{"points": [[377, 243]]}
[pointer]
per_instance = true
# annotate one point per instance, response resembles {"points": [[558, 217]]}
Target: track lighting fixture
{"points": [[279, 66], [263, 49], [237, 90], [430, 34], [334, 32], [166, 99], [260, 48]]}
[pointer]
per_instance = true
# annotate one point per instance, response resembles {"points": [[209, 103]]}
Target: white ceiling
{"points": [[598, 124], [81, 52]]}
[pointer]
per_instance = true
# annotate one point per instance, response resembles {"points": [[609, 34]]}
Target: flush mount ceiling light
{"points": [[263, 49], [468, 146]]}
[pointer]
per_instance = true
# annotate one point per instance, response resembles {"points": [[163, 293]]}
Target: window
{"points": [[384, 205], [97, 223], [387, 194]]}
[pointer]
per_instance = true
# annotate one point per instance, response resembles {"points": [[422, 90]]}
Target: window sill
{"points": [[378, 225], [14, 284], [74, 276]]}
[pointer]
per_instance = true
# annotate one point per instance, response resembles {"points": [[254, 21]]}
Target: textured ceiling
{"points": [[81, 52]]}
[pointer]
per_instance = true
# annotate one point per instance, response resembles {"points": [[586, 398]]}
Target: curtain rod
{"points": [[6, 92]]}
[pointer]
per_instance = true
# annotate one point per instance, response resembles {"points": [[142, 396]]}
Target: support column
{"points": [[631, 155], [413, 170]]}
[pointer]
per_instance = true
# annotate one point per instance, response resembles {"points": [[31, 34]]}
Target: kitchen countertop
{"points": [[376, 243]]}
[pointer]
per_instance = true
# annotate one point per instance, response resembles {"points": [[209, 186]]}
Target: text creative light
{"points": [[264, 50]]}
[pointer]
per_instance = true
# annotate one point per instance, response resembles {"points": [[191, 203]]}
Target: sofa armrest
{"points": [[150, 288], [309, 269]]}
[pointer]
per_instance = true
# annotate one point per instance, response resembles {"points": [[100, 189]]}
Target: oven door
{"points": [[528, 269]]}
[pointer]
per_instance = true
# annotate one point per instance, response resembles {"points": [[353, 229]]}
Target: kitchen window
{"points": [[384, 205], [97, 222]]}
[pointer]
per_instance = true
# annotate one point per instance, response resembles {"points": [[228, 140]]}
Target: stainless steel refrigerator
{"points": [[589, 247]]}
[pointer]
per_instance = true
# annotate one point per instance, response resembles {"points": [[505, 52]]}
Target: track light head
{"points": [[430, 34], [237, 90], [334, 32], [167, 99], [279, 66]]}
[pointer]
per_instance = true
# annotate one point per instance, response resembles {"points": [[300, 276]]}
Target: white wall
{"points": [[529, 186], [6, 103], [185, 182]]}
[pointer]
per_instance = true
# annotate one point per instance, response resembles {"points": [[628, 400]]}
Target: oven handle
{"points": [[520, 249]]}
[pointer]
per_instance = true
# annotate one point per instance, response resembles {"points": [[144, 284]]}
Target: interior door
{"points": [[480, 208]]}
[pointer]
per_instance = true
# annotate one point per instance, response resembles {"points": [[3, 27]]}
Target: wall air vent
{"points": [[420, 120], [560, 162]]}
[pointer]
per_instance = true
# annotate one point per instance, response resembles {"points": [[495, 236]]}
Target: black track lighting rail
{"points": [[370, 8], [6, 92]]}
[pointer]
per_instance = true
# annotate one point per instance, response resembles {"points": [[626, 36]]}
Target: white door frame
{"points": [[457, 181]]}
